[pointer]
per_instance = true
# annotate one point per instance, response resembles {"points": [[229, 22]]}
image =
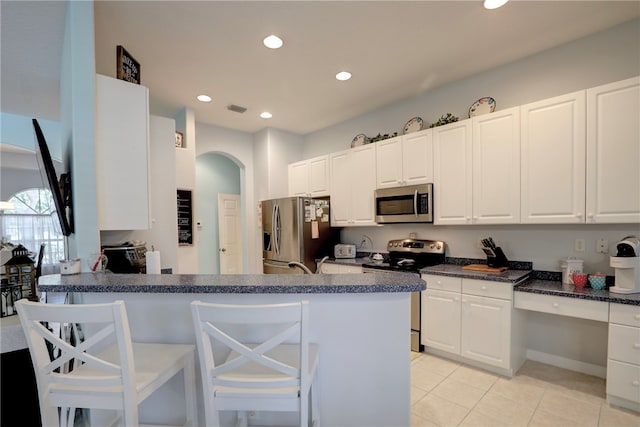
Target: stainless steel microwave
{"points": [[412, 203]]}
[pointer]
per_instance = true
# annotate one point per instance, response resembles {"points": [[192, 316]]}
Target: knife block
{"points": [[500, 260]]}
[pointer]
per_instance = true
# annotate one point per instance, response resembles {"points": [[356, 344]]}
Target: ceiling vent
{"points": [[236, 108]]}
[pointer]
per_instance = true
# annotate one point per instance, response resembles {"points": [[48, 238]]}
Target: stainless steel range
{"points": [[408, 256]]}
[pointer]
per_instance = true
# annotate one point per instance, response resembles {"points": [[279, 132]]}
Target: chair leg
{"points": [[243, 419], [190, 392], [315, 410]]}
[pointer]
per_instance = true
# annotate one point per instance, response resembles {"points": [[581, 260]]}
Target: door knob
{"points": [[223, 250]]}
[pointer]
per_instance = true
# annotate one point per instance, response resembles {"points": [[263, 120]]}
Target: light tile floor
{"points": [[446, 393]]}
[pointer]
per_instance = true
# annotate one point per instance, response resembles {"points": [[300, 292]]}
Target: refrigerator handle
{"points": [[276, 222], [272, 243]]}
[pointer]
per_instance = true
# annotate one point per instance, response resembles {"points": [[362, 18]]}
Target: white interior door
{"points": [[229, 234]]}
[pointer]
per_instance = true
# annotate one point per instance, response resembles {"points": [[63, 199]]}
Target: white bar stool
{"points": [[256, 358], [105, 371]]}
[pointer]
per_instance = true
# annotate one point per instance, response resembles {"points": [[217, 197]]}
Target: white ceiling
{"points": [[394, 50]]}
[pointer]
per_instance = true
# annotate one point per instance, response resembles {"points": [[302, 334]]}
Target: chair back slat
{"points": [[286, 322]]}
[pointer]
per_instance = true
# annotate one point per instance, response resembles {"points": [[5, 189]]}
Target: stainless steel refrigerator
{"points": [[296, 229]]}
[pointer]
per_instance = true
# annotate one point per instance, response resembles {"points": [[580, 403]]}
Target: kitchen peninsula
{"points": [[360, 321]]}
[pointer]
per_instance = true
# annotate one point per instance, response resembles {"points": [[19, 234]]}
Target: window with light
{"points": [[33, 221]]}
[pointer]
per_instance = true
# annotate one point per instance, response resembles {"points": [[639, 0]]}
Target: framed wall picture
{"points": [[127, 68], [179, 140]]}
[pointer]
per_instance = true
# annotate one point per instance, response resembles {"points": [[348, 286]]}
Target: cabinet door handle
{"points": [[637, 316], [636, 345], [484, 288], [635, 383], [555, 305]]}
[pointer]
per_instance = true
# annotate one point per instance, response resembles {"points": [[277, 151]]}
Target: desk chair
{"points": [[104, 371], [246, 369]]}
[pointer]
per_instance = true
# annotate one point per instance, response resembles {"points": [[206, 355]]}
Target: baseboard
{"points": [[565, 363], [623, 403]]}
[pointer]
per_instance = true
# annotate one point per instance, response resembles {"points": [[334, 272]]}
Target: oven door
{"points": [[404, 204]]}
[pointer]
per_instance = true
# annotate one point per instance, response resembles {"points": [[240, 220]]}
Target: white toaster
{"points": [[343, 250]]}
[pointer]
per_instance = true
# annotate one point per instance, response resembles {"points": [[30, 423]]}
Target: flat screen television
{"points": [[61, 189]]}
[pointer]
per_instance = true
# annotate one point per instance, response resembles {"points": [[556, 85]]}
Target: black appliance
{"points": [[60, 189], [408, 256], [126, 258]]}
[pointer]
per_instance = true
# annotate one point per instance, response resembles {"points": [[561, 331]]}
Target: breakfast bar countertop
{"points": [[232, 283]]}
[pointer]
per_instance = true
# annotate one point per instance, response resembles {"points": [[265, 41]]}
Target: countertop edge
{"points": [[232, 284]]}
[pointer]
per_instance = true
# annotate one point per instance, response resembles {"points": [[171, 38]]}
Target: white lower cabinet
{"points": [[486, 327], [330, 268], [441, 320], [623, 364], [472, 319]]}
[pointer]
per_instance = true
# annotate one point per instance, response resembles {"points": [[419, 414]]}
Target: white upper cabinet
{"points": [[553, 160], [309, 178], [122, 155], [613, 152], [298, 176], [405, 160], [389, 162], [353, 181], [496, 167], [452, 167]]}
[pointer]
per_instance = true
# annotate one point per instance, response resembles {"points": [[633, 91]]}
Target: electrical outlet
{"points": [[578, 245], [602, 246]]}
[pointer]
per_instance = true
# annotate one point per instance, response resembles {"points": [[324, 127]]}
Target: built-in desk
{"points": [[621, 314]]}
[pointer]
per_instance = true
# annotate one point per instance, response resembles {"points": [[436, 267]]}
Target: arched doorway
{"points": [[216, 173]]}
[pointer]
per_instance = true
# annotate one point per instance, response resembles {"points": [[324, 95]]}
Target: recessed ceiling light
{"points": [[272, 42], [343, 75], [266, 115], [204, 98], [494, 4]]}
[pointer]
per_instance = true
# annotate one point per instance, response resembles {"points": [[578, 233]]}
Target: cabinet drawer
{"points": [[329, 268], [623, 380], [486, 288], [624, 343], [443, 283], [625, 314], [563, 306]]}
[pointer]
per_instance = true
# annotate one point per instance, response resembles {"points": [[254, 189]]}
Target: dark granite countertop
{"points": [[455, 270], [233, 283], [547, 287]]}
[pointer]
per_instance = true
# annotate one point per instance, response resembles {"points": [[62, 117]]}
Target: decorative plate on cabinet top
{"points": [[482, 106], [413, 125], [359, 139]]}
